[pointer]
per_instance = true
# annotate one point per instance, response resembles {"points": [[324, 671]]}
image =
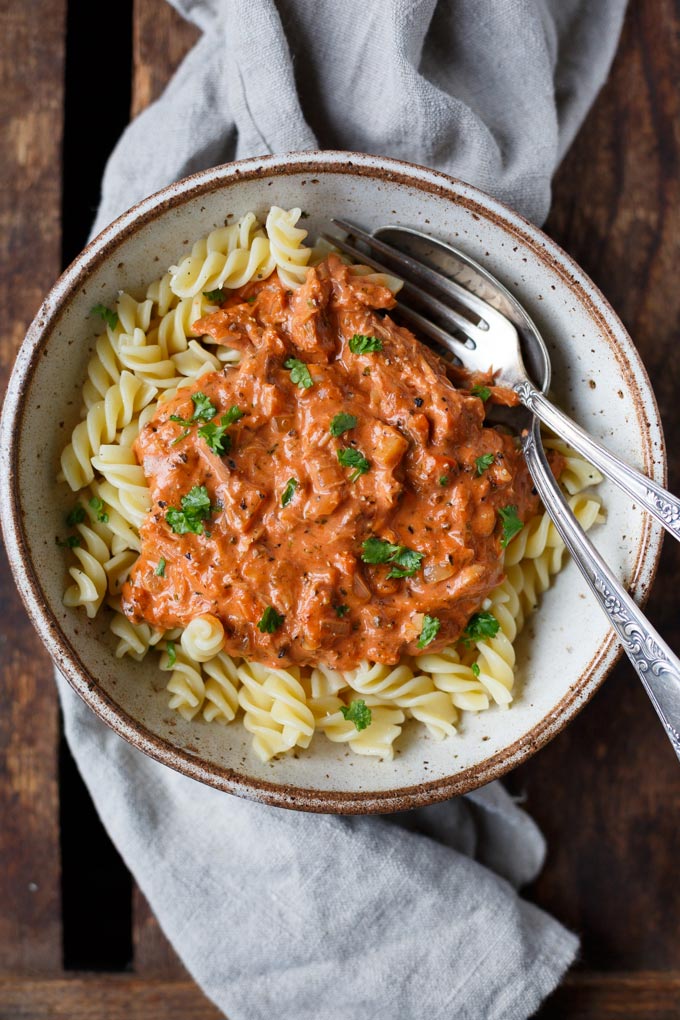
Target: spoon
{"points": [[657, 666]]}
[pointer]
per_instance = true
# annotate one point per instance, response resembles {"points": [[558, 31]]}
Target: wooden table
{"points": [[76, 937]]}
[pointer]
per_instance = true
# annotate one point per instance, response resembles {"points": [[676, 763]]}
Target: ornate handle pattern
{"points": [[644, 491], [656, 665]]}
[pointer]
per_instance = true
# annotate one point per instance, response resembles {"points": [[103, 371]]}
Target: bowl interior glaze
{"points": [[567, 647]]}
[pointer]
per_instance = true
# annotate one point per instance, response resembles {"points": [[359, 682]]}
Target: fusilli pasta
{"points": [[152, 351]]}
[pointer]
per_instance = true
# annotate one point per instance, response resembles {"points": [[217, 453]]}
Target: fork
{"points": [[491, 340], [655, 663]]}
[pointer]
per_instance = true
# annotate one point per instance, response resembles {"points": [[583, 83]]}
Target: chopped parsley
{"points": [[71, 542], [172, 655], [160, 569], [362, 344], [107, 314], [270, 621], [341, 611], [342, 423], [233, 415], [475, 669], [289, 491], [204, 410], [484, 462], [299, 373], [98, 507], [216, 297], [216, 437], [483, 392], [404, 562], [349, 457], [76, 515], [479, 626], [430, 630], [511, 524], [443, 480], [358, 713], [196, 508]]}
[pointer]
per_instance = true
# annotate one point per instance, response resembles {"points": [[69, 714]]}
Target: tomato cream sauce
{"points": [[421, 436]]}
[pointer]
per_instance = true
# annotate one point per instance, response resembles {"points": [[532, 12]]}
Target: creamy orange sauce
{"points": [[421, 436]]}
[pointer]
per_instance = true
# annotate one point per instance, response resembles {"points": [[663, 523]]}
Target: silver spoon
{"points": [[657, 666]]}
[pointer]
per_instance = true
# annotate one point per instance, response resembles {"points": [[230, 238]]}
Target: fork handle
{"points": [[643, 490], [656, 665]]}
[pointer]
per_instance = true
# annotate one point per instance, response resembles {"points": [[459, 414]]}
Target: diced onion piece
{"points": [[434, 572]]}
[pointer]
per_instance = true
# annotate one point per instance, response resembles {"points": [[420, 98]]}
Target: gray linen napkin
{"points": [[281, 915]]}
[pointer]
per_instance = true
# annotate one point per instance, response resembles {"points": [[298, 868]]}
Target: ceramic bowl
{"points": [[567, 648]]}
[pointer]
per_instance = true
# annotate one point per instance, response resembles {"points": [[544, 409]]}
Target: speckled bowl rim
{"points": [[66, 655]]}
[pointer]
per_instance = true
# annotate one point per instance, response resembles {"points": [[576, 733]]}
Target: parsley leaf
{"points": [[71, 542], [216, 438], [98, 507], [216, 297], [270, 621], [479, 626], [443, 480], [195, 509], [299, 373], [172, 654], [483, 392], [362, 344], [204, 410], [408, 561], [484, 462], [76, 515], [511, 524], [341, 611], [160, 569], [430, 630], [107, 314], [475, 669], [289, 491], [349, 457], [233, 415], [405, 561], [342, 423], [358, 713]]}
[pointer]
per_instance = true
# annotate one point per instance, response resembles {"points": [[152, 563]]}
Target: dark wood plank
{"points": [[31, 75], [104, 997], [606, 791], [153, 955], [160, 40], [644, 996]]}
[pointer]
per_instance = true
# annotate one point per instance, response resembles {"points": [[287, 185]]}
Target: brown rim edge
{"points": [[49, 630]]}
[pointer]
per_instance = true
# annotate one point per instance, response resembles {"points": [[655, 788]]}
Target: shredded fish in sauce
{"points": [[417, 439]]}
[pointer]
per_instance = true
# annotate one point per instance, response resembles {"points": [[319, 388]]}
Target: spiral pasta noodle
{"points": [[149, 350]]}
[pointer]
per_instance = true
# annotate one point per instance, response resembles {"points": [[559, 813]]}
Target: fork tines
{"points": [[419, 282]]}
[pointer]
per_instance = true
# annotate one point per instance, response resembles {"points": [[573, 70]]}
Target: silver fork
{"points": [[488, 341], [492, 341]]}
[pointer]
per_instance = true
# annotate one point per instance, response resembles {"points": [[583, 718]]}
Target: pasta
{"points": [[149, 351]]}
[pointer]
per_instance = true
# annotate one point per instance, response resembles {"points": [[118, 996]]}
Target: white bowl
{"points": [[567, 648]]}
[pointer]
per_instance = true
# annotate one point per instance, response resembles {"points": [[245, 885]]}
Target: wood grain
{"points": [[153, 955], [160, 40], [645, 996], [606, 792], [103, 997], [31, 75]]}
